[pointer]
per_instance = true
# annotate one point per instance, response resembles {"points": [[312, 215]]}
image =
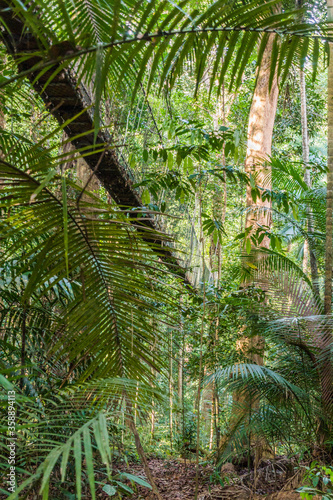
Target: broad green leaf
{"points": [[109, 490], [44, 183], [136, 479]]}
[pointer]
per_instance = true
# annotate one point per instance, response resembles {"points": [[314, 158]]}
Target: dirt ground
{"points": [[176, 481]]}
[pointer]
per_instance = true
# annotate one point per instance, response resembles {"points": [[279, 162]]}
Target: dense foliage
{"points": [[108, 350]]}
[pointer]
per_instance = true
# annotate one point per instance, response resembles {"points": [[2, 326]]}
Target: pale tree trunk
{"points": [[259, 145], [202, 240], [305, 154], [305, 133], [259, 148], [87, 179]]}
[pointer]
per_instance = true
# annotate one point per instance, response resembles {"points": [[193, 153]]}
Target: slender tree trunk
{"points": [[171, 393], [200, 361], [136, 403], [308, 250], [215, 401], [329, 198], [139, 448], [326, 371], [180, 361], [305, 133], [2, 117]]}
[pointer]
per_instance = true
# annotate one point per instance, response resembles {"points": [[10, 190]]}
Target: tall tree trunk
{"points": [[259, 146], [326, 371], [329, 197], [180, 361], [202, 240], [171, 391]]}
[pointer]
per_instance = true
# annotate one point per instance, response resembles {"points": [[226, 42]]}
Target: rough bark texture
{"points": [[329, 199], [326, 371], [66, 100], [259, 147], [259, 144]]}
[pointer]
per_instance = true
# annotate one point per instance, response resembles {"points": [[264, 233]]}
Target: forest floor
{"points": [[175, 480]]}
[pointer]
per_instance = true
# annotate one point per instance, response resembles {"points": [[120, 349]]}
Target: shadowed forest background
{"points": [[166, 229]]}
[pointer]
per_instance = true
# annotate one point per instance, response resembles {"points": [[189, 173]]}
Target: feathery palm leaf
{"points": [[112, 42]]}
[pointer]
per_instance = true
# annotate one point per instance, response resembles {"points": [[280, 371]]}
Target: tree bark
{"points": [[259, 146], [180, 361], [139, 448], [329, 196], [326, 371]]}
